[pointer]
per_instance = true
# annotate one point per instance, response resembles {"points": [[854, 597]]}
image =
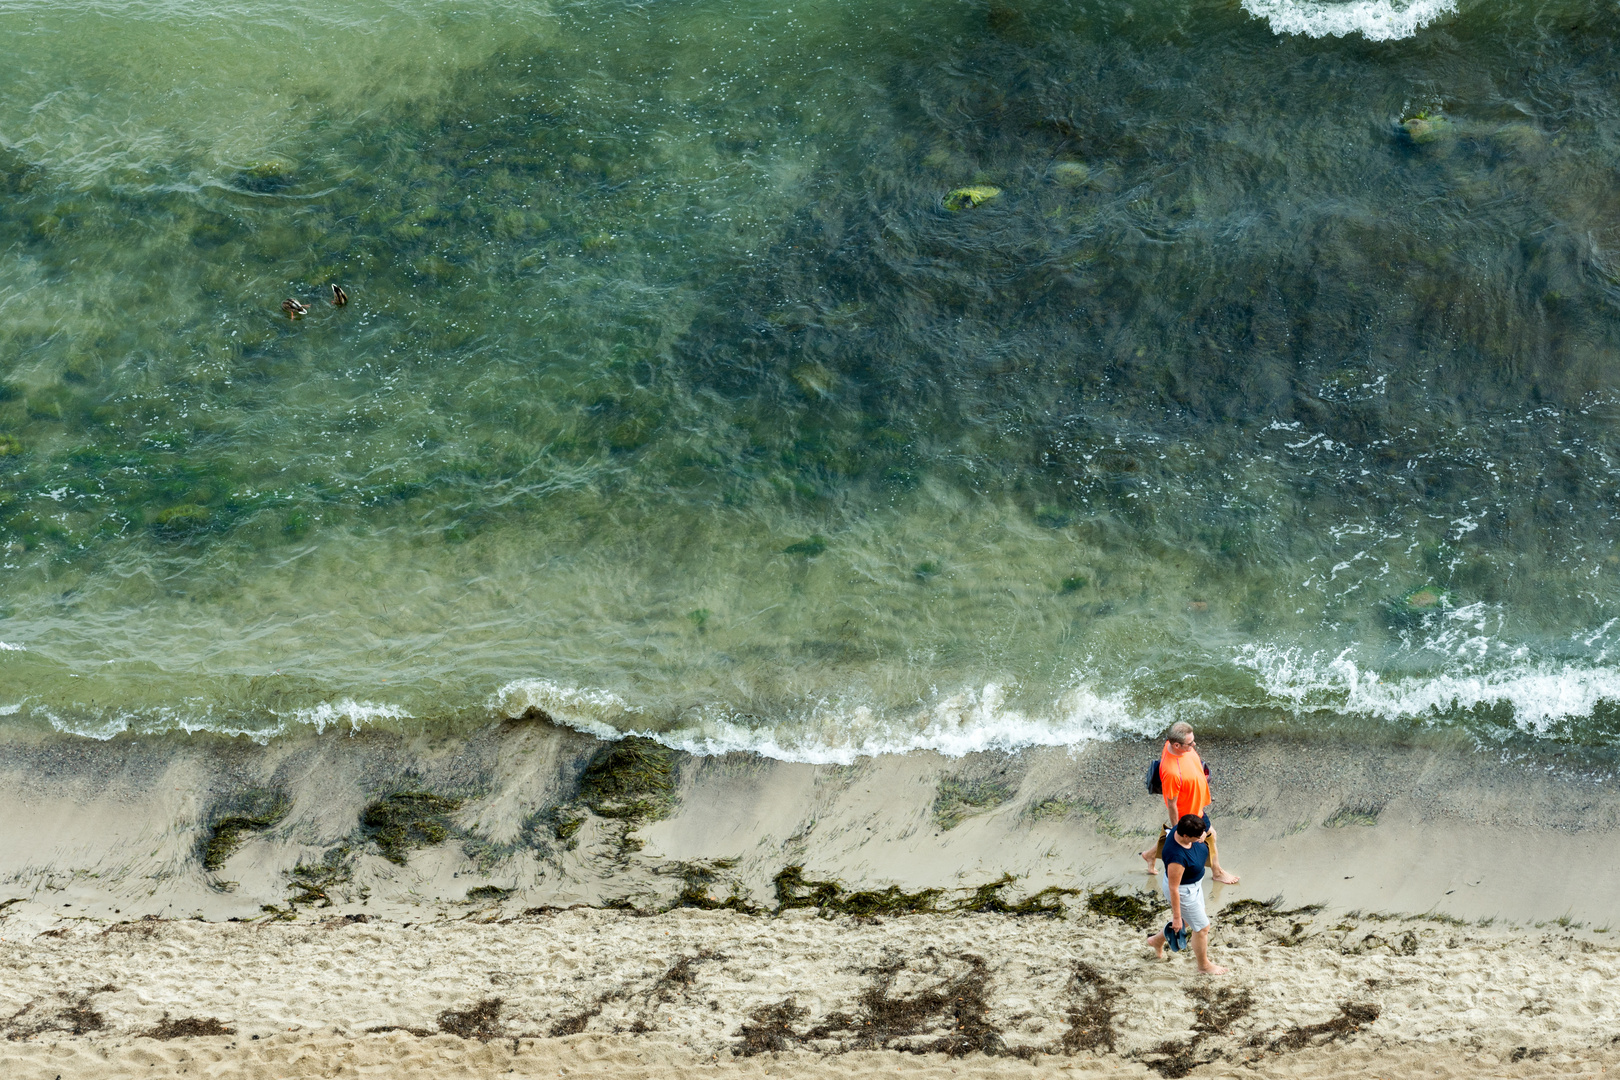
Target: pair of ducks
{"points": [[295, 310]]}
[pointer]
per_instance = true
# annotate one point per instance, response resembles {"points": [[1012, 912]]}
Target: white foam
{"points": [[355, 713], [1540, 694], [6, 646], [1375, 20], [828, 733]]}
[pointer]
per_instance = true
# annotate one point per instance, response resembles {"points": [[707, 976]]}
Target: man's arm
{"points": [[1170, 807], [1173, 873]]}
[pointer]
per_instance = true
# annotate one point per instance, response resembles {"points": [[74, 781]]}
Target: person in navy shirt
{"points": [[1186, 853]]}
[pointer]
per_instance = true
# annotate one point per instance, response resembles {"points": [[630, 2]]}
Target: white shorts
{"points": [[1193, 915]]}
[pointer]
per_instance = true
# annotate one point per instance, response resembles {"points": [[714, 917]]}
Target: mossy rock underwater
{"points": [[631, 779], [1426, 598], [966, 198], [1424, 128]]}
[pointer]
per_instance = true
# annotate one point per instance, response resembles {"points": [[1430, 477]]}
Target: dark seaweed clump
{"points": [[793, 891], [481, 1022], [956, 1006], [489, 892], [408, 819], [988, 899], [187, 1027], [1137, 909], [631, 780], [256, 812]]}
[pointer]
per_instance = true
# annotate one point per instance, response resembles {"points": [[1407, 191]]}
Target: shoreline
{"points": [[652, 909], [121, 829]]}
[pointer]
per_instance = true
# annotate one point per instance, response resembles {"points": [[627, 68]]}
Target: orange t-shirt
{"points": [[1182, 777]]}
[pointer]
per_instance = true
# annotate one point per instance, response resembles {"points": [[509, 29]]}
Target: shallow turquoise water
{"points": [[1275, 388]]}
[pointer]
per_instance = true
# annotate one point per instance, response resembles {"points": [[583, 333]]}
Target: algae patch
{"points": [[255, 811], [630, 780], [407, 819], [966, 198], [958, 799]]}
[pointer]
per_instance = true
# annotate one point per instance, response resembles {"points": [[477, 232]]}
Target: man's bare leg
{"points": [[1215, 864], [1157, 944], [1200, 944], [1151, 855]]}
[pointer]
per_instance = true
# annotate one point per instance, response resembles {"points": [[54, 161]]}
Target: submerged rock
{"points": [[1427, 598], [1427, 127], [965, 198], [1071, 173]]}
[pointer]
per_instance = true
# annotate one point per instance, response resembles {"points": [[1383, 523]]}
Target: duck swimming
{"points": [[294, 309], [339, 297]]}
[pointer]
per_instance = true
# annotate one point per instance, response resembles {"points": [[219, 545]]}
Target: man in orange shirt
{"points": [[1186, 791]]}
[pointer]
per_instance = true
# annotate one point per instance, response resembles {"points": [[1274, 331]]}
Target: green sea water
{"points": [[1277, 385]]}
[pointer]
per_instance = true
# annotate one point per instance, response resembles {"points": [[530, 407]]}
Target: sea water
{"points": [[1272, 383]]}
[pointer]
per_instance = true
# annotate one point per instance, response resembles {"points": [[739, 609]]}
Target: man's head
{"points": [[1190, 827], [1181, 737]]}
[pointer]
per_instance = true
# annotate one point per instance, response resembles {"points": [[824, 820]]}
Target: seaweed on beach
{"points": [[482, 1021], [959, 798], [78, 1017], [632, 779], [794, 891], [1218, 1009], [310, 882], [407, 819], [1251, 912], [187, 1027], [696, 879], [573, 1025], [680, 976], [988, 899], [1138, 909], [1091, 1021], [886, 1020], [254, 811], [1352, 1018], [488, 892], [769, 1028]]}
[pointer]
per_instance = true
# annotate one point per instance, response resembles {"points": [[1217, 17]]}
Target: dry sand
{"points": [[609, 993], [115, 935]]}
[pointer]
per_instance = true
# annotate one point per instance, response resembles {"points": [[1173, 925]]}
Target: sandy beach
{"points": [[748, 916]]}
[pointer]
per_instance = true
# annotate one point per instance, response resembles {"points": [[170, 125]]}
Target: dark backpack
{"points": [[1155, 786]]}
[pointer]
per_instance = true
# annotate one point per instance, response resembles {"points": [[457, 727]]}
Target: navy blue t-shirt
{"points": [[1192, 859]]}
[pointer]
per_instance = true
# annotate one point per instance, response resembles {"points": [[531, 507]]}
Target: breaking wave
{"points": [[1375, 20]]}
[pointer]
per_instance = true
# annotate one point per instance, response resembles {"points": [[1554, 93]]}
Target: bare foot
{"points": [[1157, 943], [1226, 879], [1148, 857], [1213, 969]]}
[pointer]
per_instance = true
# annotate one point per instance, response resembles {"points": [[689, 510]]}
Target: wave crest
{"points": [[1375, 20]]}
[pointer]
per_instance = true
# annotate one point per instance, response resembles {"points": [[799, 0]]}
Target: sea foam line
{"points": [[1540, 694], [1375, 20], [969, 721]]}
